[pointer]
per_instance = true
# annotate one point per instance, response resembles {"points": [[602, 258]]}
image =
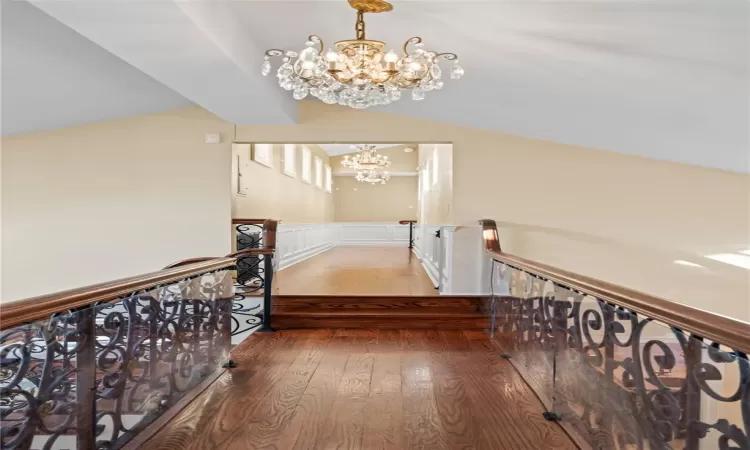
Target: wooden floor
{"points": [[356, 271], [365, 389]]}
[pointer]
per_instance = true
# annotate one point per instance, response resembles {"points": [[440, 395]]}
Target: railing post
{"points": [[267, 293], [411, 235], [86, 380], [691, 414]]}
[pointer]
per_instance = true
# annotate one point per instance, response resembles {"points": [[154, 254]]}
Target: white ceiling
{"points": [[53, 77], [666, 79], [343, 149]]}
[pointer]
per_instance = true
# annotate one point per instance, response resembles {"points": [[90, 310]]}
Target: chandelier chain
{"points": [[359, 26]]}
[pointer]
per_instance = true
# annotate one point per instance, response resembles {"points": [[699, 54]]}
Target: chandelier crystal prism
{"points": [[359, 73]]}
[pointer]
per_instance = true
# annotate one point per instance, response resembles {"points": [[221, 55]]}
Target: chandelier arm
{"points": [[335, 75], [389, 74], [447, 56], [411, 40], [319, 41]]}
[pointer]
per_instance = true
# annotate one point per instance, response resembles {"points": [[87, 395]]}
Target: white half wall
{"points": [[427, 248], [465, 266], [297, 242], [456, 261]]}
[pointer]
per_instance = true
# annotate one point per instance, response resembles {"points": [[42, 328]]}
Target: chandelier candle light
{"points": [[368, 164], [359, 73]]}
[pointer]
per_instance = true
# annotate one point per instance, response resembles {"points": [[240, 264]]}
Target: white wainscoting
{"points": [[295, 243], [361, 234]]}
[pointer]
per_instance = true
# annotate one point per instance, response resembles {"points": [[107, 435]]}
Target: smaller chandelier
{"points": [[359, 73], [372, 177], [366, 158]]}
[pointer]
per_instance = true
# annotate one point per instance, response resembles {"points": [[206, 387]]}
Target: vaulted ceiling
{"points": [[666, 79]]}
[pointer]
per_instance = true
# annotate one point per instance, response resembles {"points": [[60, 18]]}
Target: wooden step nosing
{"points": [[371, 313]]}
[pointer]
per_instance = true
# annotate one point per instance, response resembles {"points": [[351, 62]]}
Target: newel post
{"points": [[267, 293]]}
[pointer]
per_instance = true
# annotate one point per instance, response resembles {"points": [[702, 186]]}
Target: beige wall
{"points": [[270, 193], [129, 196], [363, 202], [400, 160], [616, 217], [98, 202]]}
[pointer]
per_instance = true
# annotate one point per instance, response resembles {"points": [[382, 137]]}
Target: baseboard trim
{"points": [[298, 257], [404, 244], [428, 268]]}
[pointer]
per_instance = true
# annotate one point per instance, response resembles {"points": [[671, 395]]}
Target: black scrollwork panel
{"points": [[617, 379], [38, 380], [249, 268], [250, 282], [93, 378], [155, 346]]}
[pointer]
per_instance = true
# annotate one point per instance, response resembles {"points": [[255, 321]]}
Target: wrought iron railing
{"points": [[95, 367], [619, 368], [254, 274], [115, 357], [411, 230]]}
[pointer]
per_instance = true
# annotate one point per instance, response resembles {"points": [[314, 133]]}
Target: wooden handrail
{"points": [[406, 222], [723, 330], [251, 251], [42, 307], [248, 221]]}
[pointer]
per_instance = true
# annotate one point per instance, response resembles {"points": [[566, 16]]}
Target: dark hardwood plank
{"points": [[345, 424], [383, 412], [311, 413], [365, 389], [263, 358], [269, 425], [422, 426], [454, 405], [510, 412]]}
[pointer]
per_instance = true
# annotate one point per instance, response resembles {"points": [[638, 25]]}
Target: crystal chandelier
{"points": [[366, 158], [372, 177], [369, 164], [359, 73]]}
